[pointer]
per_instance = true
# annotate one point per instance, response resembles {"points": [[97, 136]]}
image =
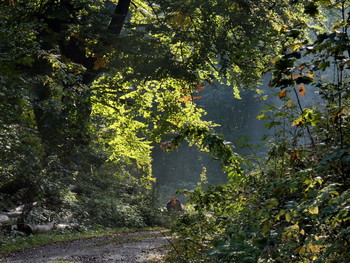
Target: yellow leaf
{"points": [[313, 248], [281, 213], [260, 117], [294, 227], [289, 103], [313, 210], [302, 90], [297, 122]]}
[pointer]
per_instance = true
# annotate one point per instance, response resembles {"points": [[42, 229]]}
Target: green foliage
{"points": [[294, 208], [111, 197], [80, 97]]}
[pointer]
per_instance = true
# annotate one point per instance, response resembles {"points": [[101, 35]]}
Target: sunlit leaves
{"points": [[136, 117]]}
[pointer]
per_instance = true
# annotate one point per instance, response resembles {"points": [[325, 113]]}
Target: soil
{"points": [[138, 246]]}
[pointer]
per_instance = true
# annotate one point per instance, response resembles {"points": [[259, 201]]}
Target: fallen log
{"points": [[64, 226], [44, 228], [16, 212], [35, 229]]}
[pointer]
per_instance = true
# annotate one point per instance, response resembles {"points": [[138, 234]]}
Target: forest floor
{"points": [[137, 246]]}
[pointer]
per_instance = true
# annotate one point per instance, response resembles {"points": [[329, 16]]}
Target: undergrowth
{"points": [[293, 206]]}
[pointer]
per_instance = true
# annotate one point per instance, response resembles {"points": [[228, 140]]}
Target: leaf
{"points": [[313, 248], [294, 227], [302, 90], [199, 87], [271, 203], [100, 62], [301, 250], [282, 94], [295, 46], [280, 213], [313, 210], [288, 217], [181, 21], [324, 65], [185, 99], [294, 156], [261, 117], [298, 122], [304, 80], [274, 60]]}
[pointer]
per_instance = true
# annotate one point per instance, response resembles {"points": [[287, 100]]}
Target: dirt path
{"points": [[139, 246]]}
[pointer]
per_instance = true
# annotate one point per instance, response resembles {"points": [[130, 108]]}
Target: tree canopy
{"points": [[72, 62]]}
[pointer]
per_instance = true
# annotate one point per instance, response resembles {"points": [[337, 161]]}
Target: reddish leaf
{"points": [[199, 87], [282, 94], [166, 146]]}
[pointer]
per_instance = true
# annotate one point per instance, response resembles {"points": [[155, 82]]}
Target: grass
{"points": [[13, 244]]}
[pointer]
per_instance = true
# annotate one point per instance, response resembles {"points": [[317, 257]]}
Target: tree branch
{"points": [[119, 17]]}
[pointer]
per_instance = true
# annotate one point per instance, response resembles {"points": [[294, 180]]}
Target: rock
{"points": [[174, 205]]}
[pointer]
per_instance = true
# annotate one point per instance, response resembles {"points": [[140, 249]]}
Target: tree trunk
{"points": [[64, 129]]}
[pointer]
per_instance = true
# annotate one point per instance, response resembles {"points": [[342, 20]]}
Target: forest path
{"points": [[137, 246]]}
